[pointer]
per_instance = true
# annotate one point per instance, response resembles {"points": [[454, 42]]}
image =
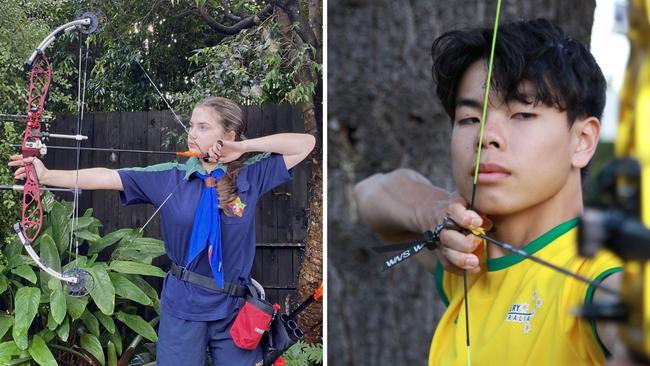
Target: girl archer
{"points": [[211, 251]]}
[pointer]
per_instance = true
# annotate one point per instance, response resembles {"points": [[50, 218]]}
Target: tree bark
{"points": [[311, 269], [383, 115]]}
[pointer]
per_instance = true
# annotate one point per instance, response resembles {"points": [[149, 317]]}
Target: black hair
{"points": [[562, 72]]}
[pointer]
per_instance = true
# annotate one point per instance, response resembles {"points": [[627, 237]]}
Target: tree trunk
{"points": [[310, 275], [383, 114]]}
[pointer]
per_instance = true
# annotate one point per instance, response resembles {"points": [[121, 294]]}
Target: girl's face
{"points": [[205, 130]]}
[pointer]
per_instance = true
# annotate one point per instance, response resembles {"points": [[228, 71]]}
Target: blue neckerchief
{"points": [[207, 228]]}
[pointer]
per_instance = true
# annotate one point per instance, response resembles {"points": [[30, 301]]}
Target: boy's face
{"points": [[529, 153]]}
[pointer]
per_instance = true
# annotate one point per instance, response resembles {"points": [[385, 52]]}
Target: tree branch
{"points": [[304, 30], [228, 13], [245, 23]]}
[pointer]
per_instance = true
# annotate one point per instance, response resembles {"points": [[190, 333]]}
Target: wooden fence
{"points": [[281, 219]]}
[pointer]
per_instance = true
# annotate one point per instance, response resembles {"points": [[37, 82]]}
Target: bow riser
{"points": [[40, 79], [32, 212]]}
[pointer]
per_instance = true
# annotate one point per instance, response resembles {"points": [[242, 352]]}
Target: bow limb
{"points": [[30, 250]]}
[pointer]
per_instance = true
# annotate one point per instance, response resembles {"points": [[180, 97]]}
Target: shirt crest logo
{"points": [[237, 207], [524, 313]]}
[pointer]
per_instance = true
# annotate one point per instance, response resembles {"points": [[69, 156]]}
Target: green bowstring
{"points": [[478, 160]]}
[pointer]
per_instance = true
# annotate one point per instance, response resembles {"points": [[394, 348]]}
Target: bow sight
{"points": [[615, 225]]}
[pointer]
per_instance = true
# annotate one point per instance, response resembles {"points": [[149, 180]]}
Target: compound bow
{"points": [[40, 79]]}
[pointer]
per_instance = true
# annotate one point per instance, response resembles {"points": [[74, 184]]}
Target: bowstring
{"points": [[478, 160], [81, 96], [177, 119], [81, 101]]}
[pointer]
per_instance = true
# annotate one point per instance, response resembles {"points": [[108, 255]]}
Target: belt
{"points": [[232, 289]]}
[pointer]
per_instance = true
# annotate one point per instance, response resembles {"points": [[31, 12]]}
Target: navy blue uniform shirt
{"points": [[153, 185]]}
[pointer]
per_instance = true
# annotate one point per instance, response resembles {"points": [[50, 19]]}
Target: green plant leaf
{"points": [[26, 305], [116, 338], [91, 260], [87, 235], [303, 353], [21, 340], [103, 292], [60, 226], [4, 284], [84, 222], [51, 324], [142, 250], [136, 268], [18, 260], [6, 321], [40, 353], [91, 323], [144, 286], [137, 324], [46, 334], [79, 262], [7, 350], [106, 321], [63, 331], [12, 249], [91, 344], [108, 240], [50, 255], [111, 354], [47, 201], [25, 272], [76, 305], [57, 300], [128, 290]]}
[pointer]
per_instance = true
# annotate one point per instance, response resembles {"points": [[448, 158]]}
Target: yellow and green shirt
{"points": [[521, 311]]}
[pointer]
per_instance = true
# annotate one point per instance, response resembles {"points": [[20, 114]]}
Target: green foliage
{"points": [[23, 26], [41, 313], [304, 354], [253, 67], [184, 57], [17, 30], [9, 201]]}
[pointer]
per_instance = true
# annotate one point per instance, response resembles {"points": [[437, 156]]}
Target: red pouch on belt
{"points": [[253, 319]]}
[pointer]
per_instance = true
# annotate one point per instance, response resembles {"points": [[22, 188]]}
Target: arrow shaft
{"points": [[533, 258], [108, 149]]}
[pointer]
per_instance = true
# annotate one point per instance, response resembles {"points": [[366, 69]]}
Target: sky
{"points": [[611, 48]]}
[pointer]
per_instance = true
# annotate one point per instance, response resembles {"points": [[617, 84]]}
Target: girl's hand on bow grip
{"points": [[19, 161]]}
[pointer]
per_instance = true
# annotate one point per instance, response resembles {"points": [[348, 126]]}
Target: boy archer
{"points": [[542, 127]]}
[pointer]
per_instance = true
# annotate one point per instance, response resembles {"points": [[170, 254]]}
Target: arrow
{"points": [[315, 296], [107, 149]]}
